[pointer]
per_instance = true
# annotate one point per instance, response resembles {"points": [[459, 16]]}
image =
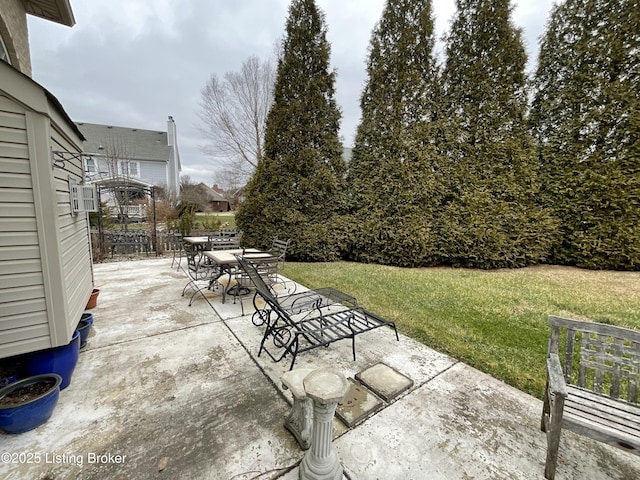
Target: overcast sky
{"points": [[132, 63]]}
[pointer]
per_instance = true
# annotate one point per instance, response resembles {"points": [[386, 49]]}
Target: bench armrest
{"points": [[557, 384]]}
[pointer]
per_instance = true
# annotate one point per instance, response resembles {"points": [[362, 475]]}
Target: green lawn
{"points": [[494, 320], [227, 220]]}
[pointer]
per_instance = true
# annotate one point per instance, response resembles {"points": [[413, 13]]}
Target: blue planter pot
{"points": [[61, 360], [29, 413], [8, 380], [84, 327], [8, 372]]}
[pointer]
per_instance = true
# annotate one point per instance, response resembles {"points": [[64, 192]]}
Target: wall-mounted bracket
{"points": [[60, 157]]}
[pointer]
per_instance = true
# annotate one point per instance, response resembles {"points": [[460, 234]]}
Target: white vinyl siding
{"points": [[23, 319], [73, 239], [153, 173]]}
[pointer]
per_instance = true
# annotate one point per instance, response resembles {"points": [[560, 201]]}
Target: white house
{"points": [[132, 155]]}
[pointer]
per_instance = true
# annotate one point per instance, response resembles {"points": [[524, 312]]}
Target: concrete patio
{"points": [[164, 390]]}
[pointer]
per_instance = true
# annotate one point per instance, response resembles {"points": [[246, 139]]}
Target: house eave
{"points": [[58, 11]]}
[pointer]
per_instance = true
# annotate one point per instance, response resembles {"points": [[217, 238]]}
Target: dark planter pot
{"points": [[8, 374], [61, 360], [84, 327], [93, 299], [28, 413], [8, 379]]}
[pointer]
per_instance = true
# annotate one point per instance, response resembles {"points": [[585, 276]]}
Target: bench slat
{"points": [[591, 424], [601, 419], [600, 402]]}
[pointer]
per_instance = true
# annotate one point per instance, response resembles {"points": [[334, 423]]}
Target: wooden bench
{"points": [[318, 323], [138, 239], [594, 390]]}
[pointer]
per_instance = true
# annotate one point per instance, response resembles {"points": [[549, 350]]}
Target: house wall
{"points": [[153, 173], [13, 29], [45, 253], [150, 171], [218, 206]]}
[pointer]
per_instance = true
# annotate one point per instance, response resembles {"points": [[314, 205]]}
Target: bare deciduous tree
{"points": [[231, 179], [117, 158], [234, 111]]}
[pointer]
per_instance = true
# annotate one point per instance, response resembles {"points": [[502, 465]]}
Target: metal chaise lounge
{"points": [[298, 323]]}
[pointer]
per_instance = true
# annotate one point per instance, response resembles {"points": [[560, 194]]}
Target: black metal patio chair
{"points": [[199, 272]]}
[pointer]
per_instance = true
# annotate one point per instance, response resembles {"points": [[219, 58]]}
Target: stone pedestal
{"points": [[326, 388], [299, 421]]}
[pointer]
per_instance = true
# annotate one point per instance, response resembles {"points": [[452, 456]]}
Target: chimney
{"points": [[171, 131]]}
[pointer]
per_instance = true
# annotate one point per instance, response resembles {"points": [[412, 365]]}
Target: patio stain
{"points": [[149, 362], [160, 308], [183, 317], [164, 383], [196, 367], [172, 274], [150, 290], [217, 354]]}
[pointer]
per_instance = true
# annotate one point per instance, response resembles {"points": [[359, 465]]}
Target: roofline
{"points": [[63, 12], [163, 132]]}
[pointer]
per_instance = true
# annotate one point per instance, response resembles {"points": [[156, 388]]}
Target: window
{"points": [[90, 165], [128, 169]]}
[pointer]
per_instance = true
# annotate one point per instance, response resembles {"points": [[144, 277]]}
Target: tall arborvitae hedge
{"points": [[491, 218], [297, 190], [392, 193], [586, 116]]}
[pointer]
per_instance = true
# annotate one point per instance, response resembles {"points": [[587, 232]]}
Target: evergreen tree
{"points": [[391, 172], [586, 117], [491, 219], [296, 189]]}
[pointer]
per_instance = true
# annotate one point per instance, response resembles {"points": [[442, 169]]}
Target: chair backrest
{"points": [[224, 233], [193, 255], [195, 269], [223, 240], [230, 243], [279, 248], [261, 287], [598, 357]]}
